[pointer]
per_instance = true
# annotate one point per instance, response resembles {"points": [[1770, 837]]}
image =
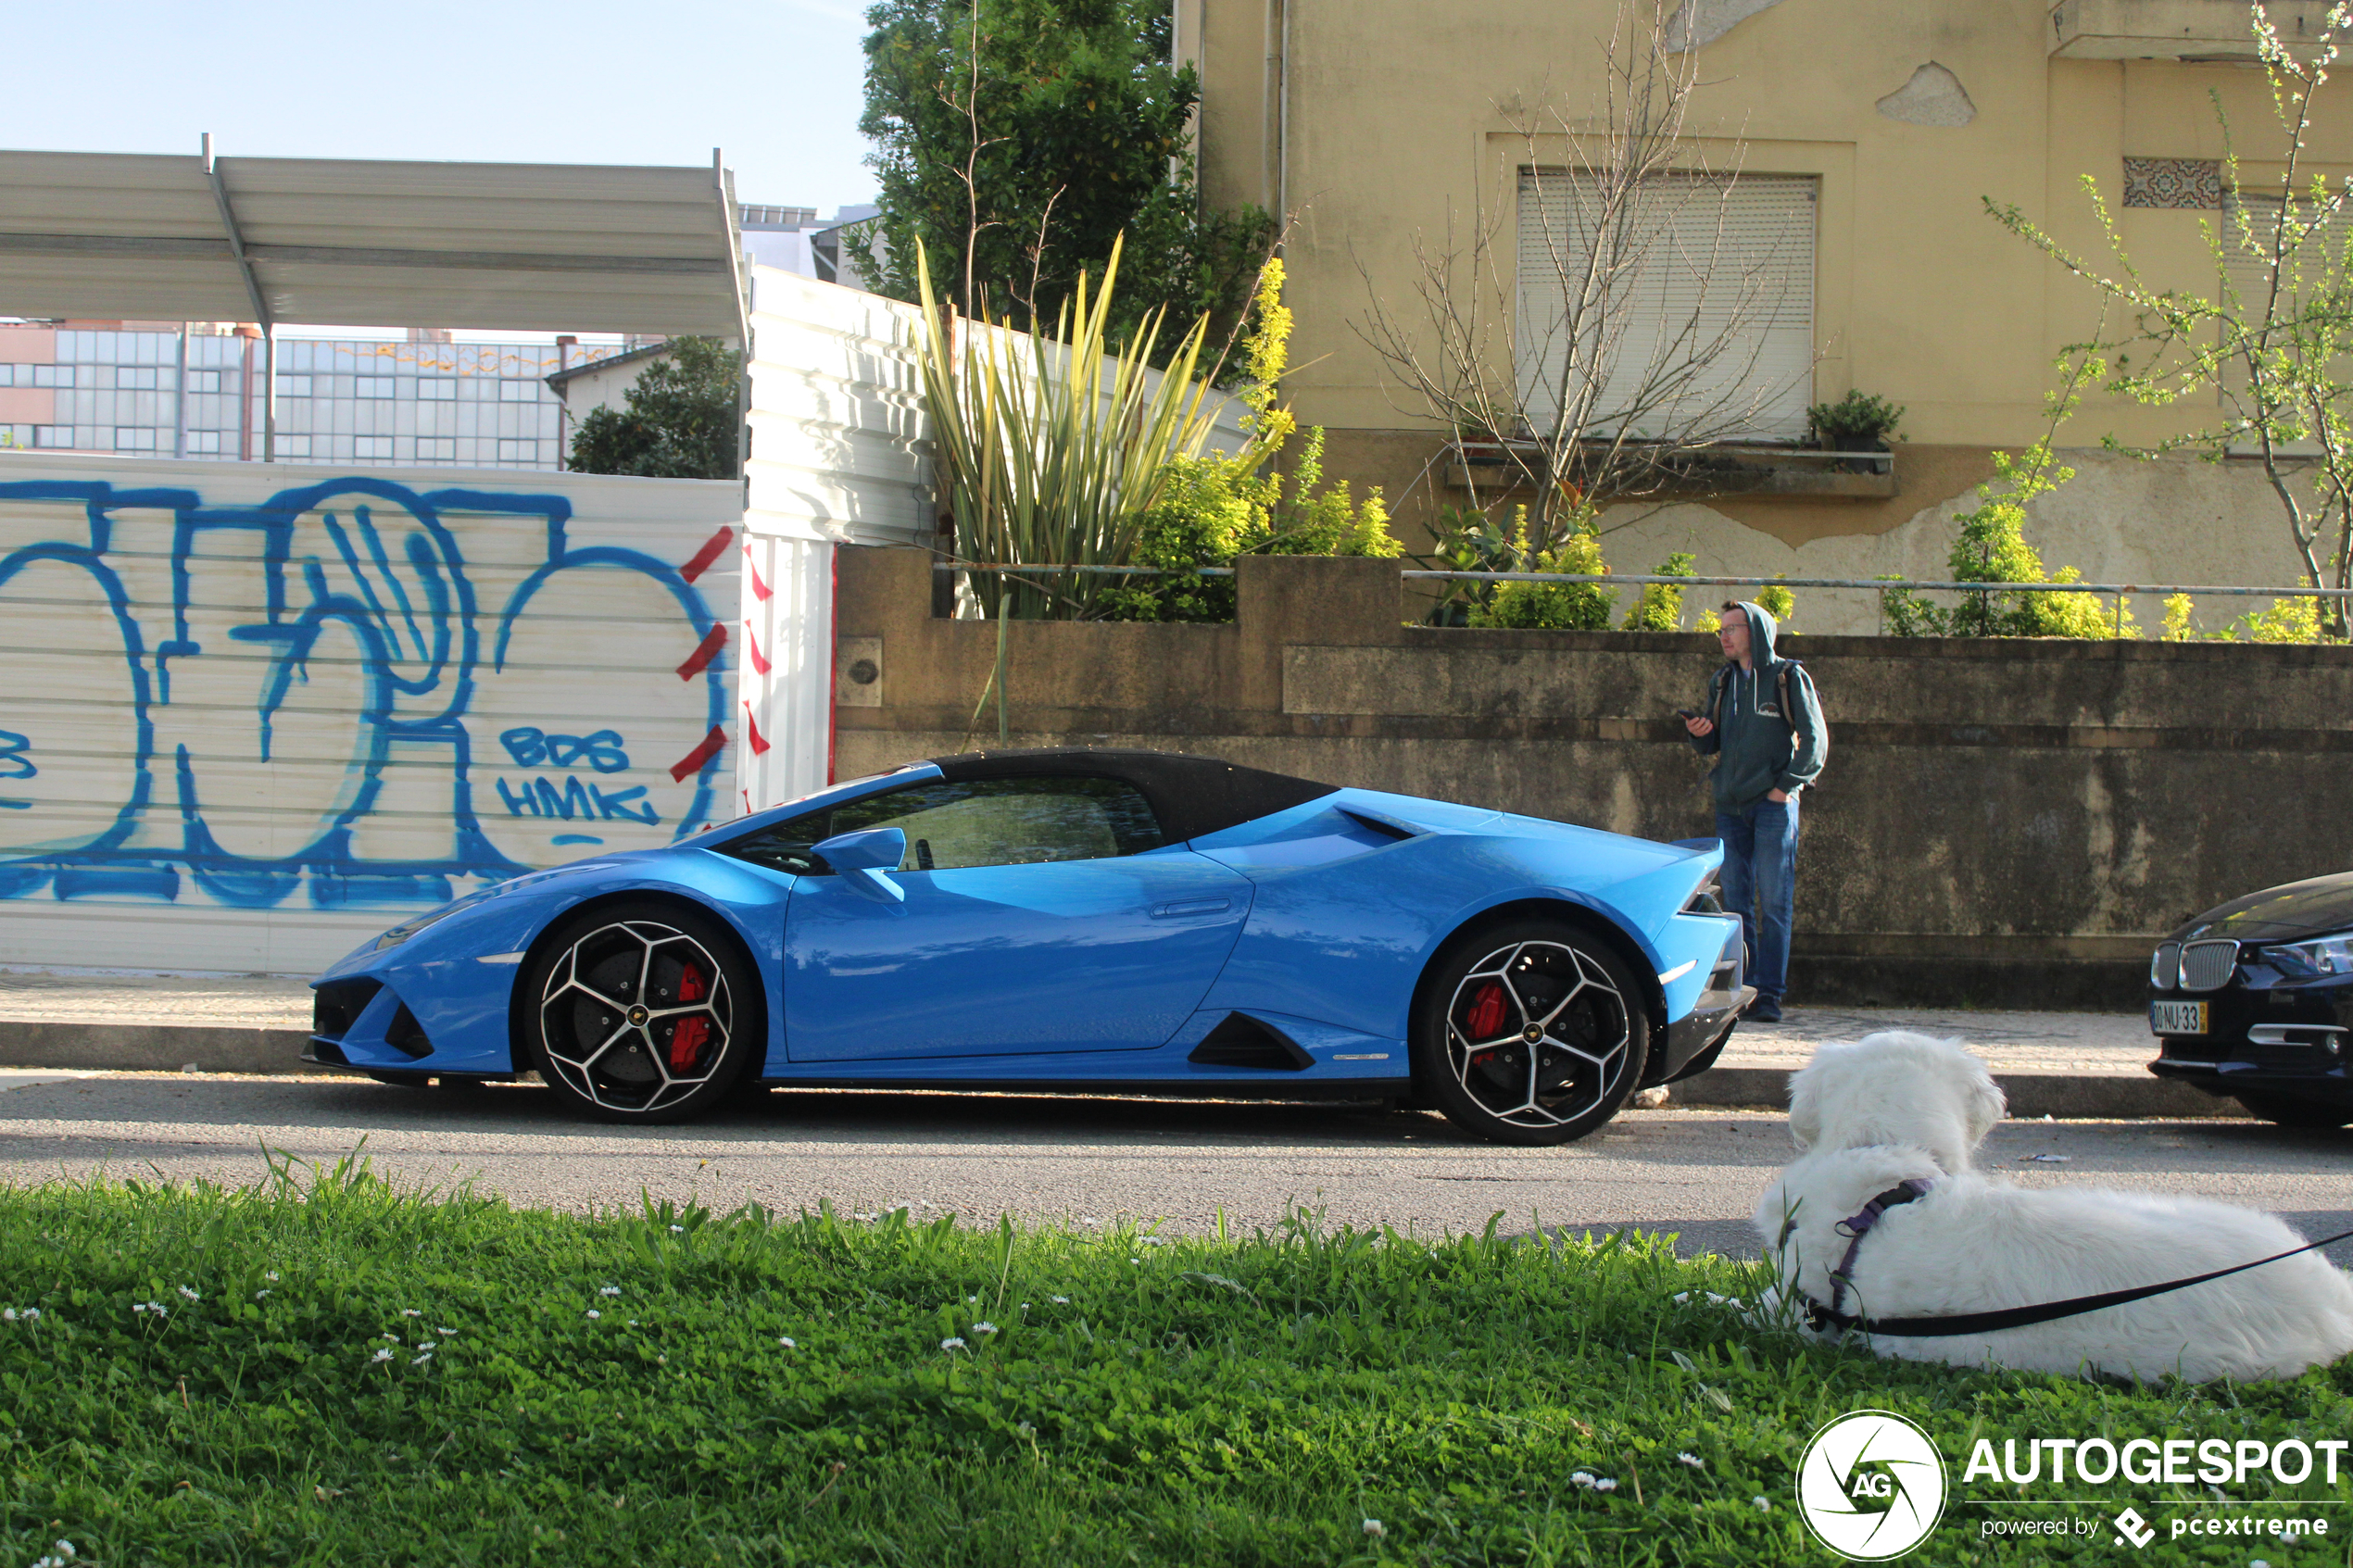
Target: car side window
{"points": [[1009, 822]]}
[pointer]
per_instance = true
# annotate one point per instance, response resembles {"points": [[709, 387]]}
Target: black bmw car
{"points": [[2253, 1001]]}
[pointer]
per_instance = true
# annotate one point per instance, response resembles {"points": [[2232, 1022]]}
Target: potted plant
{"points": [[1859, 421]]}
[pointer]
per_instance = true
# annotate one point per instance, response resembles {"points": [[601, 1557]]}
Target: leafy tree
{"points": [[680, 422], [1019, 138], [2275, 340]]}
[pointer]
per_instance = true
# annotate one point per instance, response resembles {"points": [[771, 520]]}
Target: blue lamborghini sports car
{"points": [[1133, 921]]}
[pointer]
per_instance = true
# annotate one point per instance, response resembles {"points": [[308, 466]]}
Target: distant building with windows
{"points": [[168, 389], [194, 392]]}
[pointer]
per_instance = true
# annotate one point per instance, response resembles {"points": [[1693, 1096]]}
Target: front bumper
{"points": [[2266, 1034], [1694, 1041]]}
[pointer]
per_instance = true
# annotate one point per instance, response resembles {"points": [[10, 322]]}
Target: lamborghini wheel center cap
{"points": [[638, 1016]]}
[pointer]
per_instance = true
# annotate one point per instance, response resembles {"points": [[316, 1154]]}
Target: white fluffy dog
{"points": [[1898, 1106]]}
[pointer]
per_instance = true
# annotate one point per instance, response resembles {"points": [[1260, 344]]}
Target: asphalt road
{"points": [[1084, 1160]]}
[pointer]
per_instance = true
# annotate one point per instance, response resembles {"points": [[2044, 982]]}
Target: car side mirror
{"points": [[861, 859]]}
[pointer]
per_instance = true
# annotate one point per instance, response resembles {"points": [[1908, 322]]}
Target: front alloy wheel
{"points": [[1531, 1032], [641, 1013]]}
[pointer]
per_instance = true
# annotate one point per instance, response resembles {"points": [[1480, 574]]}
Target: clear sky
{"points": [[776, 85]]}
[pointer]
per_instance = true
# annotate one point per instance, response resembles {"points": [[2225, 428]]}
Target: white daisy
{"points": [[953, 1344]]}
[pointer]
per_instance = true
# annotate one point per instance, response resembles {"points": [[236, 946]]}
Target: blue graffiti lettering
{"points": [[530, 745], [617, 804], [572, 802], [359, 581]]}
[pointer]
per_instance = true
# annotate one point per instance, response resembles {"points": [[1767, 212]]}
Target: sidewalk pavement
{"points": [[2064, 1064]]}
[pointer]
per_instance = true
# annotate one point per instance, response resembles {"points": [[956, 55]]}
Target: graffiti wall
{"points": [[249, 714]]}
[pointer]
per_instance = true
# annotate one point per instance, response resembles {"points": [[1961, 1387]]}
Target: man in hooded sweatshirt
{"points": [[1764, 725]]}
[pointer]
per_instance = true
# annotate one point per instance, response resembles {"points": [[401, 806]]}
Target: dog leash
{"points": [[1950, 1323]]}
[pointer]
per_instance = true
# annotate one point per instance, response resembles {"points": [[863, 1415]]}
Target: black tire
{"points": [[2317, 1115], [608, 995], [1473, 1054]]}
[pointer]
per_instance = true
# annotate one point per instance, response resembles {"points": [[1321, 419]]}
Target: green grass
{"points": [[1239, 1400]]}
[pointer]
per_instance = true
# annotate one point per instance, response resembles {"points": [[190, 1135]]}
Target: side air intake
{"points": [[1243, 1041], [406, 1035]]}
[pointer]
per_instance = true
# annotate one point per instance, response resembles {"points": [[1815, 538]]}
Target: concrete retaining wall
{"points": [[2002, 823]]}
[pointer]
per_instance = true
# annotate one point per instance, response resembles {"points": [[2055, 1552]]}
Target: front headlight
{"points": [[2322, 955], [409, 928]]}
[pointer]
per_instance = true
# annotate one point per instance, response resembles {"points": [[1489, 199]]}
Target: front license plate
{"points": [[2177, 1017]]}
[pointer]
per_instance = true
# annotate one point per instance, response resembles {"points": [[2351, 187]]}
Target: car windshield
{"points": [[978, 822]]}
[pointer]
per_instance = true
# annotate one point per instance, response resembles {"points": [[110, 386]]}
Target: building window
{"points": [[372, 386], [12, 436], [292, 445], [134, 378], [51, 375], [1701, 323], [436, 450], [371, 448], [204, 441], [53, 436], [204, 381], [518, 392], [518, 451], [294, 386], [129, 438], [436, 388]]}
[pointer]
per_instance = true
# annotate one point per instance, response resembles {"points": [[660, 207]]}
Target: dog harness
{"points": [[1855, 1227]]}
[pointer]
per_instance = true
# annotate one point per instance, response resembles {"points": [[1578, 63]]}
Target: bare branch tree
{"points": [[1604, 339]]}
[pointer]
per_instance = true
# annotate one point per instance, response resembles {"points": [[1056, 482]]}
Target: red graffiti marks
{"points": [[751, 648], [702, 656], [704, 749], [759, 590], [751, 728], [708, 553]]}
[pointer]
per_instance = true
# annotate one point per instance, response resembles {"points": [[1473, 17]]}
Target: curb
{"points": [[113, 1047], [148, 1047], [2068, 1095]]}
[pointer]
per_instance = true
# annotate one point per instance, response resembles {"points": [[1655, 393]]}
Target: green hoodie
{"points": [[1762, 749]]}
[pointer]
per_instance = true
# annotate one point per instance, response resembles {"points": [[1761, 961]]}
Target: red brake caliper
{"points": [[686, 1040], [1485, 1012]]}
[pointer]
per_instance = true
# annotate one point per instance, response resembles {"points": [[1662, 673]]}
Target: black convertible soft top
{"points": [[1191, 796]]}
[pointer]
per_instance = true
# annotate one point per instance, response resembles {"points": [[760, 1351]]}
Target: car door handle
{"points": [[1180, 908]]}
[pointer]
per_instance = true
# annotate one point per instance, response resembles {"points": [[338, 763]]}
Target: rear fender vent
{"points": [[337, 1005], [407, 1035], [1243, 1041], [1381, 825]]}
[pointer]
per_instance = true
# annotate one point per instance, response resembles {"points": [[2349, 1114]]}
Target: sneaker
{"points": [[1765, 1010]]}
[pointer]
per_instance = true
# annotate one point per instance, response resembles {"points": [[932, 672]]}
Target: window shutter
{"points": [[2249, 276], [1705, 261]]}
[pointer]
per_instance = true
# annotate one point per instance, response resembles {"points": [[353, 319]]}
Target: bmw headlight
{"points": [[2322, 954], [409, 928]]}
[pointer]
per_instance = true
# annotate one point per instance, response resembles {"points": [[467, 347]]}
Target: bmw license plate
{"points": [[2178, 1018]]}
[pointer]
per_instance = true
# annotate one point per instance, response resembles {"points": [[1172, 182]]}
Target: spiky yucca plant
{"points": [[1051, 448]]}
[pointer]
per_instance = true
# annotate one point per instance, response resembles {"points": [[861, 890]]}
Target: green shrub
{"points": [[1213, 508], [1556, 607], [1660, 605], [1992, 548]]}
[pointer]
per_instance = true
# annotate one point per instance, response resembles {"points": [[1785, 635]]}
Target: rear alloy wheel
{"points": [[1529, 1032], [2318, 1115], [642, 1012]]}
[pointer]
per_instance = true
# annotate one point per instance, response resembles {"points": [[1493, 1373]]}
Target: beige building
{"points": [[1871, 138]]}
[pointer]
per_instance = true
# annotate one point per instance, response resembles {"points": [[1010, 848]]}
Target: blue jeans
{"points": [[1760, 885]]}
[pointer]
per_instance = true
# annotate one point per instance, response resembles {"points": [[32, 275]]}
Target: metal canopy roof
{"points": [[337, 242]]}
